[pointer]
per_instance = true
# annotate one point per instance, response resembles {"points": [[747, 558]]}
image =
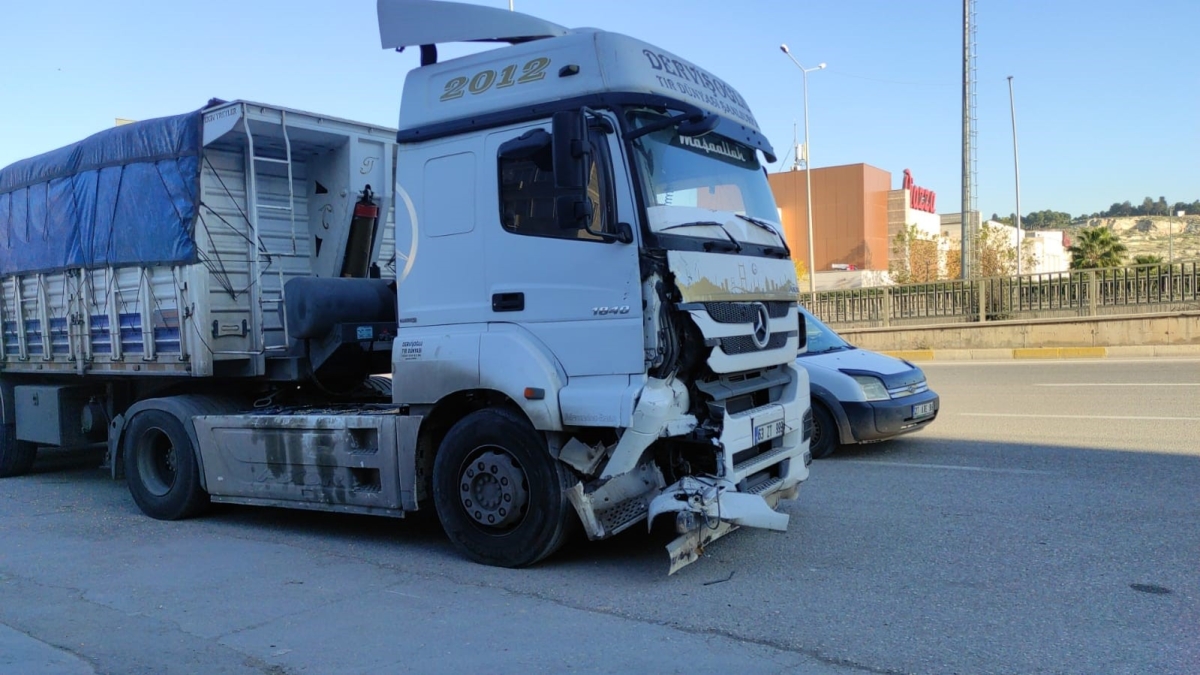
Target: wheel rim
{"points": [[156, 462], [817, 432], [493, 489]]}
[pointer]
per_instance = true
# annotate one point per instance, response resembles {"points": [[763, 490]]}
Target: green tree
{"points": [[1147, 259], [1046, 220], [1096, 247], [1119, 209]]}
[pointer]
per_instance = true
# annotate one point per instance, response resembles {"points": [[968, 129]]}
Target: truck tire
{"points": [[16, 457], [161, 467], [500, 496], [825, 432]]}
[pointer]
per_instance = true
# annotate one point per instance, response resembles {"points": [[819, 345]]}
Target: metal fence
{"points": [[1120, 290]]}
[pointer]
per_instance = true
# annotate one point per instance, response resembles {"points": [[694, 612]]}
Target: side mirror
{"points": [[532, 145], [569, 129], [574, 210], [698, 127], [802, 347]]}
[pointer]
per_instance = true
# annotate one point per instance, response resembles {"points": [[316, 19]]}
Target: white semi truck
{"points": [[566, 258]]}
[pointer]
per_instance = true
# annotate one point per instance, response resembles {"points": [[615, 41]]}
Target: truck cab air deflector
{"points": [[407, 23]]}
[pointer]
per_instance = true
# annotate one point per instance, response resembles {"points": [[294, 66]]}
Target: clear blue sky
{"points": [[1107, 92]]}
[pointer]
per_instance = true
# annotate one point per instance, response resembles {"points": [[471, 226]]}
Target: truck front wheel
{"points": [[501, 497], [161, 467], [16, 457]]}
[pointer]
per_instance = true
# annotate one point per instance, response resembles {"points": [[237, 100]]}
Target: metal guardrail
{"points": [[1111, 291]]}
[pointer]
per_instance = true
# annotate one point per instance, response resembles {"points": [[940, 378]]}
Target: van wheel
{"points": [[825, 433], [161, 467], [16, 457], [501, 497]]}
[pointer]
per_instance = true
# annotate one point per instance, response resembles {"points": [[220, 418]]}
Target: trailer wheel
{"points": [[501, 497], [161, 467], [16, 457]]}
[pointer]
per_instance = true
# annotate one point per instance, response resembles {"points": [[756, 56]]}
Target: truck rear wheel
{"points": [[161, 467], [16, 457], [501, 497]]}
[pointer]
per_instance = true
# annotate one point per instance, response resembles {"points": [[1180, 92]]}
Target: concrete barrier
{"points": [[1175, 334]]}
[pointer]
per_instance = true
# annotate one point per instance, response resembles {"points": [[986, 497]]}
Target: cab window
{"points": [[528, 195]]}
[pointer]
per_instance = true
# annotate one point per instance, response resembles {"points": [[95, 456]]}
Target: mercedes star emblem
{"points": [[762, 331]]}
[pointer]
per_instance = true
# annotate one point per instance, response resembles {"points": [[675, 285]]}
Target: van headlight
{"points": [[872, 387]]}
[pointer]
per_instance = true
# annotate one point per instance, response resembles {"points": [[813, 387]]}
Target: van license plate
{"points": [[767, 431], [922, 410]]}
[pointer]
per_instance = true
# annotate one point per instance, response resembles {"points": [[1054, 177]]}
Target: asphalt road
{"points": [[1047, 522]]}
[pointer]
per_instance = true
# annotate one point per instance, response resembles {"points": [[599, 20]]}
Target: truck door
{"points": [[576, 292]]}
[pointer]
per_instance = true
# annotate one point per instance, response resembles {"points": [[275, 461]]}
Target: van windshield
{"points": [[821, 338]]}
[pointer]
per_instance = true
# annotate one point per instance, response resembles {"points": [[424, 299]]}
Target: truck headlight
{"points": [[872, 387]]}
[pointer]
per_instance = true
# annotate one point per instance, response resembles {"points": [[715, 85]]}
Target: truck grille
{"points": [[744, 344], [743, 312]]}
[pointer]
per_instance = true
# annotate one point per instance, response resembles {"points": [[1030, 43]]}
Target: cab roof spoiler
{"points": [[406, 23]]}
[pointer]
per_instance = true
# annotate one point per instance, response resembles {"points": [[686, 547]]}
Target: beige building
{"points": [[1047, 248]]}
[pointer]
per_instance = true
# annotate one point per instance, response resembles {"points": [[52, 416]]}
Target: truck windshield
{"points": [[709, 172]]}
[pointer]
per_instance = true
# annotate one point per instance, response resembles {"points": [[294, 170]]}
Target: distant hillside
{"points": [[1149, 235]]}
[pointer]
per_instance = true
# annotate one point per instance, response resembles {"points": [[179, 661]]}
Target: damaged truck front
{"points": [[621, 288]]}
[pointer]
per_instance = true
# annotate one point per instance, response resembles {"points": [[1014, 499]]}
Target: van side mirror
{"points": [[802, 346]]}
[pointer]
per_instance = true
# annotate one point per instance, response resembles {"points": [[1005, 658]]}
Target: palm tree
{"points": [[1096, 247]]}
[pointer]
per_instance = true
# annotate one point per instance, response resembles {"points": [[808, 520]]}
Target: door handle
{"points": [[508, 302]]}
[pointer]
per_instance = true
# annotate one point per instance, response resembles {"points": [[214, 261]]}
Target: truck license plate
{"points": [[768, 430], [922, 410]]}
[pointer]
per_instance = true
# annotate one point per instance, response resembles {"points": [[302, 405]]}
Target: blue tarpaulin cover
{"points": [[125, 196]]}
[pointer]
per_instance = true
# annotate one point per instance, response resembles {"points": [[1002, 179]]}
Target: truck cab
{"points": [[591, 239]]}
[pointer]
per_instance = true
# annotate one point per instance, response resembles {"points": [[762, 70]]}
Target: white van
{"points": [[860, 396]]}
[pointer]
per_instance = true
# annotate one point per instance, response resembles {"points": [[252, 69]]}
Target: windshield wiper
{"points": [[708, 223], [768, 227]]}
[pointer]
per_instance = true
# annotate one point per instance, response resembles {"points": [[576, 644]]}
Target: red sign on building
{"points": [[919, 198]]}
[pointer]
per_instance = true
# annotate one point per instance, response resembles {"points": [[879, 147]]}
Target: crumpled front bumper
{"points": [[755, 477], [706, 510]]}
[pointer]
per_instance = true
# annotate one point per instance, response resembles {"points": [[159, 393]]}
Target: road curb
{"points": [[1033, 353]]}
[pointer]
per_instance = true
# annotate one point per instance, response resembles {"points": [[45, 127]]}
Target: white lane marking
{"points": [[1119, 384], [1059, 362], [950, 467], [1086, 417]]}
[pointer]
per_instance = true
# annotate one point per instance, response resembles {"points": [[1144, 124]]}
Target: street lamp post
{"points": [[812, 269], [1016, 170]]}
